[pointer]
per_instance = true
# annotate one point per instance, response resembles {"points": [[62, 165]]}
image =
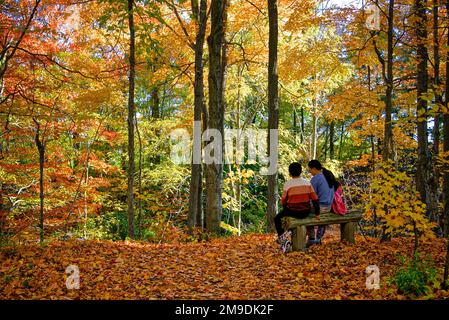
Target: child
{"points": [[296, 200]]}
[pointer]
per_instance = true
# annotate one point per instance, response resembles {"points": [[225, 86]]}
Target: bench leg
{"points": [[299, 238], [347, 232]]}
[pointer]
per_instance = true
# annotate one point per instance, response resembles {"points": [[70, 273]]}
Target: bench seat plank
{"points": [[325, 219]]}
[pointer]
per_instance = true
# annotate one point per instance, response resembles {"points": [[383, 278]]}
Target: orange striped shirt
{"points": [[297, 195]]}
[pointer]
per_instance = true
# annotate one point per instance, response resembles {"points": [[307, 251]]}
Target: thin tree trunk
{"points": [[326, 137], [156, 114], [295, 125], [302, 124], [131, 116], [273, 109], [434, 171], [373, 154], [214, 175], [331, 140], [445, 284], [436, 63], [195, 207], [41, 190], [155, 107], [340, 147], [86, 181], [238, 191], [388, 133], [314, 128], [422, 172], [40, 144], [446, 143], [139, 201]]}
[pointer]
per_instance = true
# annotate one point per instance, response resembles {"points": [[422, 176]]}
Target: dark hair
{"points": [[330, 178], [315, 164], [295, 169], [337, 185]]}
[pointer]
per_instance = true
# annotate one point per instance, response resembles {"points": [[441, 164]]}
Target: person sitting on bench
{"points": [[296, 199], [324, 184]]}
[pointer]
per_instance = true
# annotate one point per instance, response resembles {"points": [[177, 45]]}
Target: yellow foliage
{"points": [[393, 200]]}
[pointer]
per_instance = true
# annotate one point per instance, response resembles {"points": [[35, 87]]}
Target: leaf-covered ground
{"points": [[247, 267]]}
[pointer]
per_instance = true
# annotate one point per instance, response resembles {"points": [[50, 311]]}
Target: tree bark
{"points": [[331, 140], [373, 151], [139, 201], [195, 207], [295, 124], [131, 116], [314, 127], [40, 144], [446, 143], [238, 184], [302, 125], [436, 81], [422, 172], [388, 133], [155, 108], [273, 108], [340, 147], [446, 172], [433, 168], [214, 171], [326, 137]]}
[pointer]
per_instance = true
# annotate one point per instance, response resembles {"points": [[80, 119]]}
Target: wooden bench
{"points": [[298, 226]]}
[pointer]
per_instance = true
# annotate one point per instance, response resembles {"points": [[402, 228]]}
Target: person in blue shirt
{"points": [[324, 183]]}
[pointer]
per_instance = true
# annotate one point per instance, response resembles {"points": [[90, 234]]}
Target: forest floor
{"points": [[246, 267]]}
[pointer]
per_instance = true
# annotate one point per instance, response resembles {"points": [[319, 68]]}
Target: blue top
{"points": [[321, 187]]}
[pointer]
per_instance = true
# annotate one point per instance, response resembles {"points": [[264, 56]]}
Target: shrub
{"points": [[415, 276]]}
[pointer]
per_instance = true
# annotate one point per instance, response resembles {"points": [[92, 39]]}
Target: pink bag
{"points": [[338, 205]]}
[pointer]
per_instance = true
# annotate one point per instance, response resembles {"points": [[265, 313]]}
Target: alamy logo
{"points": [[373, 278], [73, 280], [233, 142], [73, 19], [373, 18]]}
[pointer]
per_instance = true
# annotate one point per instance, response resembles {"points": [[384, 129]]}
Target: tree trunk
{"points": [[155, 108], [139, 201], [422, 172], [433, 168], [238, 186], [273, 109], [436, 82], [326, 137], [195, 207], [387, 151], [295, 124], [302, 124], [314, 128], [340, 147], [446, 172], [214, 175], [331, 140], [131, 116], [446, 143], [373, 152], [40, 144]]}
